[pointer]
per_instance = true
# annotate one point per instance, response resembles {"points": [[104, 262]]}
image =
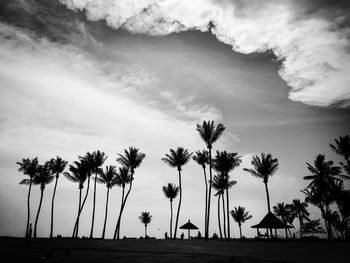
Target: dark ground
{"points": [[183, 251]]}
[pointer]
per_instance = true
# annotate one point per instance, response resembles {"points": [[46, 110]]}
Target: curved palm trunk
{"points": [[81, 209], [179, 205], [37, 215], [206, 202], [104, 225], [224, 214], [28, 206], [228, 215], [93, 209], [121, 206], [219, 221], [171, 219], [209, 194], [268, 202], [240, 230], [52, 206], [78, 216]]}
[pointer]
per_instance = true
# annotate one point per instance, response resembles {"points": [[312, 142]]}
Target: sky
{"points": [[85, 75]]}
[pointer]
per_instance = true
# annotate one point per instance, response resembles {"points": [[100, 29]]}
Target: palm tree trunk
{"points": [[224, 214], [329, 223], [37, 215], [219, 221], [268, 197], [301, 225], [52, 206], [121, 206], [171, 219], [228, 215], [145, 230], [240, 230], [93, 209], [209, 194], [286, 233], [79, 205], [179, 205], [104, 225], [206, 201], [82, 206], [325, 221], [28, 207]]}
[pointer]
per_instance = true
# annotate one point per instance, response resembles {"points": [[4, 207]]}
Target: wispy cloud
{"points": [[313, 49]]}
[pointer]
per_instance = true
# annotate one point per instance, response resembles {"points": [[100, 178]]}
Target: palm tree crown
{"points": [[264, 167], [171, 191], [57, 165], [123, 177], [29, 167], [44, 175], [201, 157], [78, 173], [145, 218], [283, 212], [299, 209], [131, 159], [108, 176], [240, 215], [342, 146], [225, 162], [177, 158], [210, 132]]}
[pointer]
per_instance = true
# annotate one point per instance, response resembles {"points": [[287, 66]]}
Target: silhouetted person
{"points": [[182, 236], [199, 235], [166, 235]]}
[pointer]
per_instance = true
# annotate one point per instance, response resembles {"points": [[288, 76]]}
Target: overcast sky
{"points": [[78, 76]]}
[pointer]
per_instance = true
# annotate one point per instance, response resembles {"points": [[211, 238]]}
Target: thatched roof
{"points": [[188, 225], [271, 221]]}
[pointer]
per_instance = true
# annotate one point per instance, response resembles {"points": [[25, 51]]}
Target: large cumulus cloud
{"points": [[311, 38]]}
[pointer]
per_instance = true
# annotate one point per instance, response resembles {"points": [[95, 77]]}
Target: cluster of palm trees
{"points": [[87, 167], [326, 189]]}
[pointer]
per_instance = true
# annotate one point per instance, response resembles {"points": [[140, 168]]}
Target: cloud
{"points": [[313, 49]]}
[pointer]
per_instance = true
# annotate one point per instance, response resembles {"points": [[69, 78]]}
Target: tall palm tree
{"points": [[43, 178], [145, 218], [342, 147], [109, 178], [171, 191], [240, 216], [224, 163], [98, 159], [57, 167], [77, 174], [210, 133], [219, 185], [177, 158], [299, 210], [131, 159], [202, 158], [264, 168], [28, 167], [284, 213], [123, 178]]}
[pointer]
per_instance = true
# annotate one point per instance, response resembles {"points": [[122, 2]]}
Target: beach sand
{"points": [[183, 251]]}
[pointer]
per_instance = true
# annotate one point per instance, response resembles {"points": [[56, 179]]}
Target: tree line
{"points": [[326, 187]]}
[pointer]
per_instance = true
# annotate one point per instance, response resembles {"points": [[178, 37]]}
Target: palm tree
{"points": [[219, 185], [98, 159], [131, 159], [224, 163], [284, 213], [43, 178], [57, 167], [109, 178], [210, 133], [77, 174], [171, 191], [28, 167], [323, 175], [342, 147], [123, 178], [202, 158], [299, 210], [177, 158], [145, 218], [240, 216], [264, 168]]}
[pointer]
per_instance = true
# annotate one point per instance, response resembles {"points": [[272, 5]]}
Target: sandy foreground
{"points": [[183, 251]]}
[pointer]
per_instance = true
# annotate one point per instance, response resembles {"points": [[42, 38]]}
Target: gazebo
{"points": [[270, 221], [188, 226]]}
